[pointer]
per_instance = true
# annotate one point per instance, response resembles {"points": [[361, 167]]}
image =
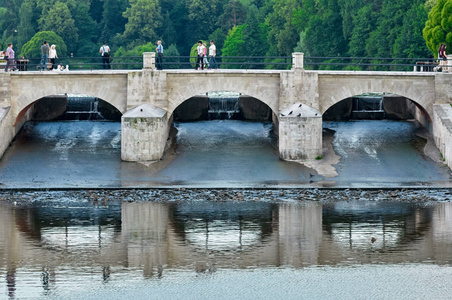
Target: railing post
{"points": [[149, 60], [297, 60]]}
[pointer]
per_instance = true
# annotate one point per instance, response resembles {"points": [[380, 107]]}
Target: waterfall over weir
{"points": [[82, 108], [368, 107], [223, 106]]}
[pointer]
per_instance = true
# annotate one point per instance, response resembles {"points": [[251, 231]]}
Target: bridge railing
{"points": [[250, 62], [169, 62], [371, 63]]}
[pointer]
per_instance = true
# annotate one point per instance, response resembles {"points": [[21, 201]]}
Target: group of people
{"points": [[201, 51], [48, 53], [442, 57], [202, 61]]}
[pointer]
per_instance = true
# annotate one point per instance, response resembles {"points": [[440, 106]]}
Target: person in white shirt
{"points": [[212, 54], [199, 61], [53, 55], [105, 53]]}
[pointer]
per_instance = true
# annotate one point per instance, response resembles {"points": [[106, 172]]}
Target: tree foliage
{"points": [[33, 47], [333, 28], [438, 28]]}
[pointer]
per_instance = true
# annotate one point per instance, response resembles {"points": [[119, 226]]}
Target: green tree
{"points": [[255, 35], [59, 19], [283, 34], [363, 25], [27, 23], [32, 49], [173, 63], [438, 28], [87, 32], [234, 46], [201, 15], [113, 22], [218, 37], [410, 42], [234, 13], [143, 20], [131, 59]]}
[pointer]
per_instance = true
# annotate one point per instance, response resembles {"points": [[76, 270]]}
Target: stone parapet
{"points": [[442, 130], [6, 129], [5, 89], [443, 88]]}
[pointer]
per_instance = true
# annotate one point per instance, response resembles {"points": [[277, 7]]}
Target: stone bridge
{"points": [[147, 98]]}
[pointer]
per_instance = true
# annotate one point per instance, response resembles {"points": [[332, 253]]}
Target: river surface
{"points": [[181, 243], [215, 154], [226, 244]]}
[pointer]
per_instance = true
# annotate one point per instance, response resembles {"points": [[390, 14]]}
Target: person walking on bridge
{"points": [[10, 62], [159, 58], [45, 55], [212, 54], [200, 60]]}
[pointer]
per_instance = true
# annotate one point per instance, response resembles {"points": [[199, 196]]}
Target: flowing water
{"points": [[219, 153]]}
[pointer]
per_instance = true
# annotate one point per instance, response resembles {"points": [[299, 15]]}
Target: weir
{"points": [[223, 106], [82, 108], [164, 91]]}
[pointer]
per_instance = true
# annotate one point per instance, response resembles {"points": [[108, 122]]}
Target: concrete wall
{"points": [[193, 109], [442, 130], [5, 89], [6, 130], [254, 109], [299, 86], [49, 108]]}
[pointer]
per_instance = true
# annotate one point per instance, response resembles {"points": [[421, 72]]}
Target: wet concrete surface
{"points": [[216, 154]]}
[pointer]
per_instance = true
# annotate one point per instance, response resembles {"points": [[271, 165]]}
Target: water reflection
{"points": [[47, 247]]}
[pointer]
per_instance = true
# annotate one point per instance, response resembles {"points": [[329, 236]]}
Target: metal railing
{"points": [[250, 62], [371, 63]]}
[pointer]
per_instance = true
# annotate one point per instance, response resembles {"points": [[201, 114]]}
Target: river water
{"points": [[226, 244], [249, 243], [222, 153]]}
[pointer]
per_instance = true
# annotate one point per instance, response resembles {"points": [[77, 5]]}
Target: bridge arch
{"points": [[26, 89], [418, 88], [260, 85], [397, 107], [246, 107]]}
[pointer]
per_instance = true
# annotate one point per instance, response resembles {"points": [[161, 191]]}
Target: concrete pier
{"points": [[144, 130]]}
